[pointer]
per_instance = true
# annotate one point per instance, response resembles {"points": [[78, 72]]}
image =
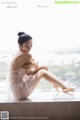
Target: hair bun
{"points": [[20, 33]]}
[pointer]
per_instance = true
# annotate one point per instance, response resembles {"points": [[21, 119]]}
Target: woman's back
{"points": [[19, 60]]}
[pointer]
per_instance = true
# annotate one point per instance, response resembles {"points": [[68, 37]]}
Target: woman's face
{"points": [[26, 47]]}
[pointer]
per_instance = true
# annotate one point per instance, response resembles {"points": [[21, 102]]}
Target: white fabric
{"points": [[20, 83]]}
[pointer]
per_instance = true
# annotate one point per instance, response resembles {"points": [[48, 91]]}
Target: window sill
{"points": [[44, 105], [42, 97]]}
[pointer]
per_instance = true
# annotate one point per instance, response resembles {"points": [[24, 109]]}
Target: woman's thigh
{"points": [[35, 79]]}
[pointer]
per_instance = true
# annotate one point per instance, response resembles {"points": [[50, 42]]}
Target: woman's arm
{"points": [[35, 69], [32, 66]]}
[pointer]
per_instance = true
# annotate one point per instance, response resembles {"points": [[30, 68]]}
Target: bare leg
{"points": [[51, 78]]}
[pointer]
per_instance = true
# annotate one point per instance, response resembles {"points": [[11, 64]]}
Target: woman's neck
{"points": [[23, 51]]}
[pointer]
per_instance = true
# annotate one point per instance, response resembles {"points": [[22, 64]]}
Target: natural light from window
{"points": [[56, 37]]}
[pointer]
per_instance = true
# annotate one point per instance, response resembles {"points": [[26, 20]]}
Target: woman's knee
{"points": [[42, 72]]}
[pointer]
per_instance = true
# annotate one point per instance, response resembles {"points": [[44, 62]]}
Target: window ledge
{"points": [[42, 97], [44, 105]]}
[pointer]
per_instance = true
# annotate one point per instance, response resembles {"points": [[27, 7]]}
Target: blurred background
{"points": [[55, 29]]}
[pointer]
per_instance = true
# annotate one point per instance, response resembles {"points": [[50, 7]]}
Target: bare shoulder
{"points": [[20, 59], [26, 56]]}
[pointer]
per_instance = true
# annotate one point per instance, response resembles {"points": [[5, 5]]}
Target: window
{"points": [[55, 32]]}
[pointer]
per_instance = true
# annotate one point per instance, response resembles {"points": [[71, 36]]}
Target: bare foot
{"points": [[66, 90]]}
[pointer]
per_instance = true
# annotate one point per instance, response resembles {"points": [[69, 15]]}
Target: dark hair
{"points": [[23, 37]]}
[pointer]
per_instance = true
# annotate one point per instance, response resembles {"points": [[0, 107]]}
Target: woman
{"points": [[25, 73]]}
